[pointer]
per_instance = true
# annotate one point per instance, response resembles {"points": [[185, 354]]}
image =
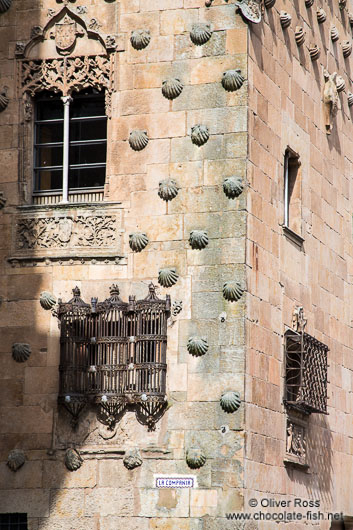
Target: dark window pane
{"points": [[50, 109], [87, 177], [85, 107], [46, 180], [49, 156], [13, 521], [88, 154], [49, 132], [88, 130]]}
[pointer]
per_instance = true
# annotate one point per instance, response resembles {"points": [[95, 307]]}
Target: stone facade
{"points": [[202, 105]]}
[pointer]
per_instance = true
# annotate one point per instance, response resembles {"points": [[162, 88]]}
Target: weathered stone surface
{"points": [[34, 502], [55, 475]]}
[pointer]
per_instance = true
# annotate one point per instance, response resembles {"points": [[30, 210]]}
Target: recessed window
{"points": [[292, 192], [13, 521], [76, 126]]}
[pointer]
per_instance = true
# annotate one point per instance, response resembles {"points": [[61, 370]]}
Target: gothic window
{"points": [[113, 354], [305, 373], [84, 136], [13, 521]]}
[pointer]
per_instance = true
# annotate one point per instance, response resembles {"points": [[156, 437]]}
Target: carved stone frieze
{"points": [[296, 440]]}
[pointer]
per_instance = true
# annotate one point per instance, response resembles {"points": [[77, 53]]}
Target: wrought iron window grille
{"points": [[113, 355], [305, 373]]}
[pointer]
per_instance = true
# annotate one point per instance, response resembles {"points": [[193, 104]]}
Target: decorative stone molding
{"points": [[252, 10], [168, 189], [2, 200], [285, 19], [47, 300], [132, 459], [140, 38], [138, 140], [321, 15], [296, 440], [197, 346], [177, 307], [172, 88], [299, 35], [4, 100], [334, 34], [168, 277], [232, 291], [314, 52], [138, 241], [21, 352], [198, 239], [350, 99], [199, 135], [195, 457], [73, 459], [298, 319], [233, 187], [16, 458], [340, 84], [200, 33], [330, 99], [232, 80], [5, 5], [230, 401], [309, 3], [269, 3], [346, 48]]}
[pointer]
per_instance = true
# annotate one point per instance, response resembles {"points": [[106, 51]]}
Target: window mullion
{"points": [[66, 149]]}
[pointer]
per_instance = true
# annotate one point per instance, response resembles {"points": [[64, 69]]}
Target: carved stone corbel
{"points": [[330, 99]]}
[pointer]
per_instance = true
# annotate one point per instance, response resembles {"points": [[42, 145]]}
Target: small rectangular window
{"points": [[13, 521], [292, 192]]}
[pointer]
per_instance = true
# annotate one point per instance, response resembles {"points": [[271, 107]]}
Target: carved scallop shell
{"points": [[195, 457], [197, 346], [334, 34], [269, 3], [168, 277], [16, 458], [200, 34], [321, 15], [47, 300], [138, 241], [314, 52], [340, 84], [73, 460], [172, 88], [168, 189], [132, 460], [5, 5], [309, 3], [2, 200], [285, 19], [299, 35], [350, 99], [198, 239], [346, 48], [199, 134], [4, 100], [21, 352], [230, 401], [138, 140], [233, 187], [342, 4], [232, 291], [350, 18], [232, 80], [140, 38]]}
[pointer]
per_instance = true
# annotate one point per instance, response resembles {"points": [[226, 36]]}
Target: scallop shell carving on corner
{"points": [[16, 458], [168, 189], [168, 276], [233, 187], [138, 140], [340, 84], [232, 80], [5, 5], [200, 34], [199, 135], [269, 3], [321, 15], [47, 300], [346, 48], [230, 401], [232, 291], [197, 346], [309, 3], [172, 88], [21, 352], [314, 52], [4, 100], [195, 457], [138, 241], [140, 38], [334, 34], [73, 460], [198, 239], [285, 19], [132, 460], [299, 35], [350, 99]]}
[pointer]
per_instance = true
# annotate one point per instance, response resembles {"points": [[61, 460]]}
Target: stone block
{"points": [[11, 392], [34, 502], [126, 523], [145, 101], [164, 503], [184, 149], [68, 523], [170, 524], [210, 386], [56, 475], [29, 476], [113, 474], [178, 377], [203, 502], [196, 416], [67, 503], [28, 286], [109, 501], [219, 120], [25, 420], [41, 380], [200, 96]]}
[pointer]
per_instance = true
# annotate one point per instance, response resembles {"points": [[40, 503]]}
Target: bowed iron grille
{"points": [[113, 355]]}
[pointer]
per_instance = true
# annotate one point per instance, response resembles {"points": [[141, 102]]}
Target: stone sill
{"points": [[296, 462], [293, 236], [68, 206]]}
